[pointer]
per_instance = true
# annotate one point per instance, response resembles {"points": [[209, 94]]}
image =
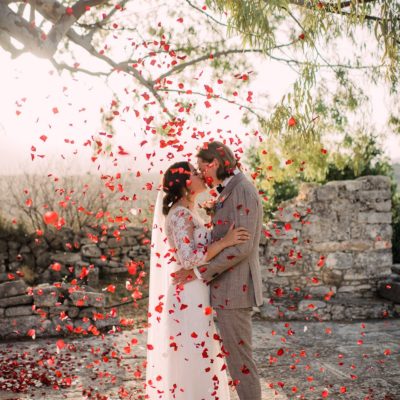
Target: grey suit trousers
{"points": [[235, 329]]}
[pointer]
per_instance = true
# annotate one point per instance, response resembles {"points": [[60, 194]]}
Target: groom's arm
{"points": [[245, 213]]}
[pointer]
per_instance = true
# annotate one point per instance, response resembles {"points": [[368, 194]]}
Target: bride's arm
{"points": [[233, 237], [182, 228], [189, 254]]}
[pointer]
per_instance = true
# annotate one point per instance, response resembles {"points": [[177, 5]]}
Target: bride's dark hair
{"points": [[174, 184]]}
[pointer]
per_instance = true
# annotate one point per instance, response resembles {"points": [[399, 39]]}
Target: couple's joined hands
{"points": [[233, 237]]}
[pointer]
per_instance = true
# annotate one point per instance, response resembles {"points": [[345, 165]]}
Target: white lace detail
{"points": [[188, 235]]}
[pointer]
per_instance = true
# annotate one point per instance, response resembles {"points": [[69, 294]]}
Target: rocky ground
{"points": [[297, 360]]}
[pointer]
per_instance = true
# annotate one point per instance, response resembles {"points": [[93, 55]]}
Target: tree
{"points": [[332, 46], [337, 50], [148, 50], [345, 47]]}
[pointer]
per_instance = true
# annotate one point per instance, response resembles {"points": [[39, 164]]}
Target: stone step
{"points": [[394, 277], [390, 290], [396, 269], [335, 309]]}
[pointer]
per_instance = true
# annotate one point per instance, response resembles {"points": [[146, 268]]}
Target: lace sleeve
{"points": [[182, 228]]}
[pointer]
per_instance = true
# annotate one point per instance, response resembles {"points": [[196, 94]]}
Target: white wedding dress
{"points": [[184, 358]]}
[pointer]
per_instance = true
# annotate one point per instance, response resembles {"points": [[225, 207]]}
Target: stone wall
{"points": [[51, 310], [322, 257], [63, 271], [326, 251]]}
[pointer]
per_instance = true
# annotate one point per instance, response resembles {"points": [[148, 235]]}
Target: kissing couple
{"points": [[195, 271]]}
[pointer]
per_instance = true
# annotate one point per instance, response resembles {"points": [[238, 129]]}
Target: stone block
{"points": [[12, 245], [114, 242], [364, 287], [374, 195], [396, 269], [375, 217], [339, 260], [269, 311], [61, 326], [321, 291], [381, 245], [19, 327], [55, 311], [46, 296], [88, 312], [2, 312], [374, 260], [12, 288], [90, 251], [131, 241], [378, 231], [327, 192], [65, 258], [106, 322], [332, 277], [347, 245], [82, 325], [391, 277], [16, 300], [318, 231], [383, 206], [390, 290], [88, 299], [311, 305], [352, 186], [374, 182], [347, 289], [113, 270], [353, 275], [337, 311], [18, 311], [43, 261]]}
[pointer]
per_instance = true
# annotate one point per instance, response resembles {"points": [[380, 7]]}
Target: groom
{"points": [[234, 274]]}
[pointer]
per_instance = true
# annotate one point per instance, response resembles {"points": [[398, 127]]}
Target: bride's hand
{"points": [[183, 276], [236, 236]]}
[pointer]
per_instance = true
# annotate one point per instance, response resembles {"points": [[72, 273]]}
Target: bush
{"points": [[362, 156]]}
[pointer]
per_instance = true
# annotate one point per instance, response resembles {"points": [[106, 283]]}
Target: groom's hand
{"points": [[183, 276]]}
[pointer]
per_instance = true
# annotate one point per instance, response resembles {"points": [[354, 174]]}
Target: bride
{"points": [[185, 360]]}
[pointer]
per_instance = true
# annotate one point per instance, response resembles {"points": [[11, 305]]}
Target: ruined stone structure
{"points": [[324, 257], [66, 268], [327, 250]]}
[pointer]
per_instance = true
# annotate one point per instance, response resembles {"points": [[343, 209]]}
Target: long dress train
{"points": [[184, 357]]}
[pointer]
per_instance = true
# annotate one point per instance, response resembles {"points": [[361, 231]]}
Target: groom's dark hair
{"points": [[221, 152]]}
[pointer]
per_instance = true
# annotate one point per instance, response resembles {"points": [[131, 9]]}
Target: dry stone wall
{"points": [[327, 250], [323, 257], [65, 268]]}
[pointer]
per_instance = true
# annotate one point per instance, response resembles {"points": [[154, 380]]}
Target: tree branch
{"points": [[20, 29], [181, 67], [64, 66], [335, 9], [251, 110]]}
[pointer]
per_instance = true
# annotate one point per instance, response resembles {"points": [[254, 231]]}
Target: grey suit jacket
{"points": [[234, 274]]}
